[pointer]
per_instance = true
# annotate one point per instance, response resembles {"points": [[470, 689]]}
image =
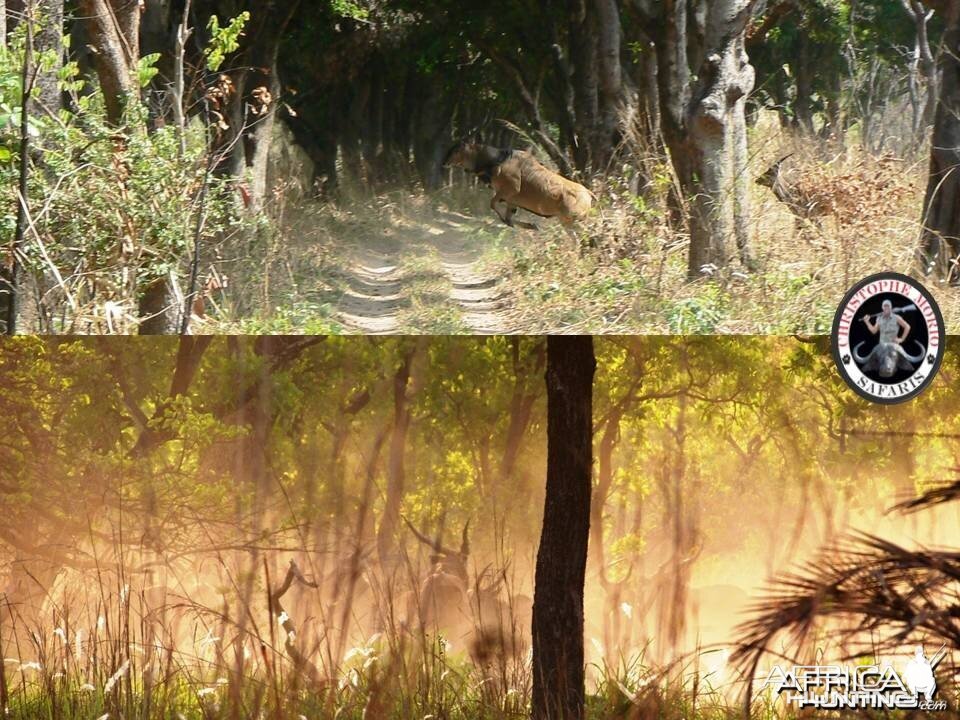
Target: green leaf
{"points": [[146, 68]]}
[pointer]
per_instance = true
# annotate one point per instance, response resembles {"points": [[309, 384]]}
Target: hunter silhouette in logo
{"points": [[919, 674], [888, 355]]}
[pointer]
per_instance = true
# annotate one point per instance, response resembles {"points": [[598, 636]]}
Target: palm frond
{"points": [[944, 493], [874, 594]]}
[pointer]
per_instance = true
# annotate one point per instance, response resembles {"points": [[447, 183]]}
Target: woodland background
{"points": [[155, 492], [275, 167]]}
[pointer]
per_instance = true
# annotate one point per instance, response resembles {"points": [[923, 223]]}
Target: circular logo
{"points": [[888, 338]]}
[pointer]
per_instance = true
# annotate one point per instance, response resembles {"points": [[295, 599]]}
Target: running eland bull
{"points": [[490, 623], [520, 181]]}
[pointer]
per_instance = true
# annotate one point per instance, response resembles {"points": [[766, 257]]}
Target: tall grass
{"points": [[110, 646]]}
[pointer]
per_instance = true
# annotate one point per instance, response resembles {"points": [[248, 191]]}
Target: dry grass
{"points": [[106, 645], [623, 270]]}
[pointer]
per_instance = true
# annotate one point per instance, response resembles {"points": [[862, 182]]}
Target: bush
{"points": [[110, 211]]}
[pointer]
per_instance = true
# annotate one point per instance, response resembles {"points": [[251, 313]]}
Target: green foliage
{"points": [[303, 317], [224, 40], [349, 9], [698, 315], [146, 69], [112, 212]]}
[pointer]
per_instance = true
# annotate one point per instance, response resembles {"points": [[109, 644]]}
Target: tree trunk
{"points": [[940, 233], [258, 137], [922, 69], [50, 39], [608, 442], [522, 400], [47, 34], [611, 83], [251, 111], [13, 280], [703, 117], [803, 102], [113, 29], [558, 669], [260, 91], [563, 96], [583, 53], [3, 23], [158, 309], [396, 471], [432, 131], [160, 29], [742, 182]]}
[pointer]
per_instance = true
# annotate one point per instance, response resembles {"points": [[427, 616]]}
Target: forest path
{"points": [[422, 271]]}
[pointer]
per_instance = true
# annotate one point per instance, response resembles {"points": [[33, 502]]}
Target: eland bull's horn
{"points": [[861, 359], [437, 546], [778, 163], [913, 358]]}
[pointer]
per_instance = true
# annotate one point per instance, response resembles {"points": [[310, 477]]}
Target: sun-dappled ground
{"points": [[443, 263]]}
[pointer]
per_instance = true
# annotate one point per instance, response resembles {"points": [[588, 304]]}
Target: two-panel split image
{"points": [[520, 360]]}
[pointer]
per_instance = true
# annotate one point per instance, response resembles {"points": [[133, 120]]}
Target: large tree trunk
{"points": [[113, 29], [611, 83], [558, 669], [396, 471], [940, 233], [704, 74], [724, 79], [50, 39], [259, 91], [432, 131], [586, 90]]}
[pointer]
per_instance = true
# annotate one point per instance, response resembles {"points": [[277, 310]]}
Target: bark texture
{"points": [[158, 309], [940, 234], [558, 669], [704, 78], [253, 106], [431, 130], [113, 29], [50, 39], [611, 89], [586, 82], [923, 72], [396, 468]]}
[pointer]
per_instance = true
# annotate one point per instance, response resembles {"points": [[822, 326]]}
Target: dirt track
{"points": [[423, 275]]}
